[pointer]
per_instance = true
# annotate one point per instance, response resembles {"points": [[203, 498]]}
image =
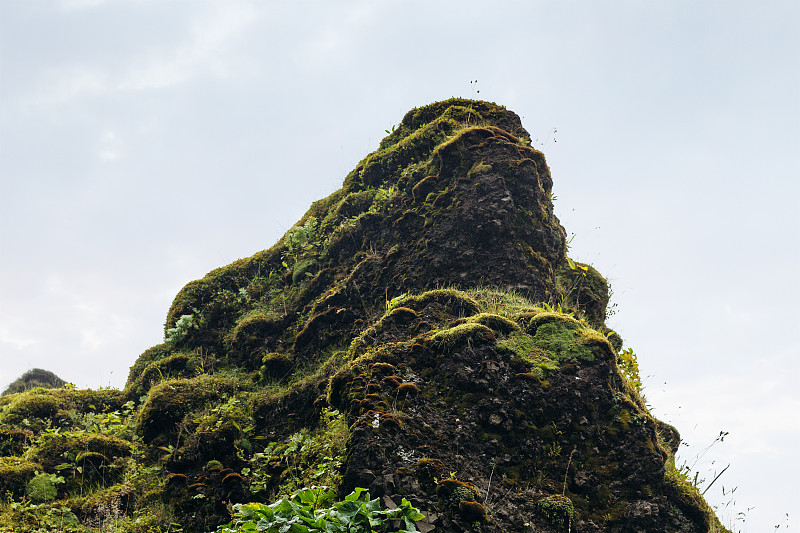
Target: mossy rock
{"points": [[497, 323], [97, 400], [177, 366], [564, 339], [689, 500], [35, 378], [453, 198], [13, 441], [451, 339], [215, 297], [429, 470], [168, 402], [453, 493], [521, 344], [82, 450], [455, 302], [584, 290], [15, 473], [323, 328], [155, 353], [33, 406], [276, 365], [250, 333], [41, 489], [36, 518], [40, 406], [472, 511]]}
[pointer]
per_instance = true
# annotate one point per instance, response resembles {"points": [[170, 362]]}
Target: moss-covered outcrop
{"points": [[33, 378], [420, 332]]}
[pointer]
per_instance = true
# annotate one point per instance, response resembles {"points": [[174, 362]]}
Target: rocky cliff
{"points": [[420, 333]]}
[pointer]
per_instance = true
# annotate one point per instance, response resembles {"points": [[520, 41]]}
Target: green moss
{"points": [[31, 405], [557, 509], [252, 328], [472, 511], [405, 149], [35, 378], [583, 290], [74, 451], [478, 168], [520, 343], [41, 489], [169, 402], [171, 367], [496, 322], [561, 341], [37, 408], [13, 441], [564, 339], [276, 366], [451, 339], [690, 500], [15, 473], [456, 302], [150, 355], [98, 400]]}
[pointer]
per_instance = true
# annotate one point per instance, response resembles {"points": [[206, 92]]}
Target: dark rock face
{"points": [[443, 203], [429, 306], [487, 421]]}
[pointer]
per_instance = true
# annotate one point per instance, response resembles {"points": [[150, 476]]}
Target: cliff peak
{"points": [[420, 333]]}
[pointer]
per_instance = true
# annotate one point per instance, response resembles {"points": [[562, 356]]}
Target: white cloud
{"points": [[205, 53], [207, 49], [756, 404], [75, 5], [61, 85], [19, 342]]}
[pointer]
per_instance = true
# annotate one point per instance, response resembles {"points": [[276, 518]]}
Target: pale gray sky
{"points": [[144, 143]]}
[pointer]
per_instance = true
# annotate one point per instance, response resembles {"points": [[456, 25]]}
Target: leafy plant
{"points": [[302, 239], [303, 512], [308, 457], [629, 365], [181, 329]]}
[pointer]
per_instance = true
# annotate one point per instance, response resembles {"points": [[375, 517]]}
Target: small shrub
{"points": [[42, 488], [182, 327], [557, 509], [629, 365], [304, 511]]}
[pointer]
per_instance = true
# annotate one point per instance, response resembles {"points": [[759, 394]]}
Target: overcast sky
{"points": [[144, 143]]}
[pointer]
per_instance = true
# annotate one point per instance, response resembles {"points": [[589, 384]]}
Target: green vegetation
{"points": [[306, 458], [36, 377], [303, 511], [557, 509]]}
